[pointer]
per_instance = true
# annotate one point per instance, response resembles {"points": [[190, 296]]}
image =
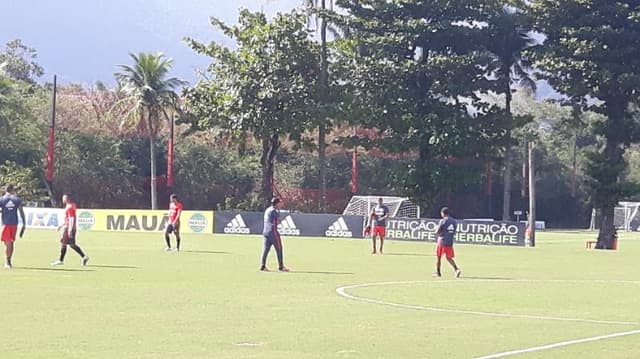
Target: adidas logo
{"points": [[288, 227], [339, 228], [237, 226]]}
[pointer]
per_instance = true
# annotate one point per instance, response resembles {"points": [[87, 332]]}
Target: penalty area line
{"points": [[560, 344], [343, 292]]}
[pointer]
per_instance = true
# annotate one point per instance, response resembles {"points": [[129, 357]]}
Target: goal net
{"points": [[626, 217], [398, 206]]}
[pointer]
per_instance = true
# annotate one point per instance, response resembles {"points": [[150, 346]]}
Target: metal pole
{"points": [[51, 144], [532, 195]]}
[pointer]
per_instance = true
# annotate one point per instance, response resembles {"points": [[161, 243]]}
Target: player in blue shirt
{"points": [[11, 205], [446, 232], [271, 236]]}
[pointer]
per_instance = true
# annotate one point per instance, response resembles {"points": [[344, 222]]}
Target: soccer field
{"points": [[210, 301]]}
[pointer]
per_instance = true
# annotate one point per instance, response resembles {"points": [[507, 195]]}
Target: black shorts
{"points": [[68, 238], [173, 228]]}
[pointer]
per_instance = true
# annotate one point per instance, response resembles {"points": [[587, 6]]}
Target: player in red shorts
{"points": [[11, 205], [378, 224], [446, 232], [69, 232], [175, 210]]}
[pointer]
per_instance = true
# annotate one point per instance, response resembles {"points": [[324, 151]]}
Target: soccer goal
{"points": [[626, 217], [401, 207]]}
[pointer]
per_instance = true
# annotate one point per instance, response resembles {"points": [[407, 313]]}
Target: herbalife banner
{"points": [[472, 232], [291, 224]]}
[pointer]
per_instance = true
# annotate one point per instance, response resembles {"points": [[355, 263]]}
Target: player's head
{"points": [[173, 198], [380, 201], [275, 201], [10, 188], [66, 198], [444, 212]]}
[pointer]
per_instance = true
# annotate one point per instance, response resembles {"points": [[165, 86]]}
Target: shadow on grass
{"points": [[315, 272], [54, 269], [207, 252], [409, 254], [111, 266], [488, 278]]}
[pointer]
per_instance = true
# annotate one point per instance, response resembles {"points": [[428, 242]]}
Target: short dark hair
{"points": [[445, 211], [173, 196], [275, 200], [68, 195], [10, 188]]}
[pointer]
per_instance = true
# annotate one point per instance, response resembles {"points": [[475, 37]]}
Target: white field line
{"points": [[559, 345], [343, 291]]}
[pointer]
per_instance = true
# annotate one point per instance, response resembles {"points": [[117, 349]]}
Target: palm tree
{"points": [[509, 36], [146, 85]]}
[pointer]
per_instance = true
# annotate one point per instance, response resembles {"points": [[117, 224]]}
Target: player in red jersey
{"points": [[69, 232], [175, 210], [378, 224]]}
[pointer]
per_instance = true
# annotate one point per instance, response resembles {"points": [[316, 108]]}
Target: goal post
{"points": [[401, 207], [626, 216]]}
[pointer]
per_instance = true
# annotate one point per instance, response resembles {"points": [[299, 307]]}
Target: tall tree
{"points": [[417, 68], [147, 85], [18, 61], [509, 37], [267, 86], [592, 55]]}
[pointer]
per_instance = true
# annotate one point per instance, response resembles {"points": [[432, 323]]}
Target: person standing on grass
{"points": [[69, 232], [11, 205], [271, 236], [445, 232], [175, 210], [378, 224]]}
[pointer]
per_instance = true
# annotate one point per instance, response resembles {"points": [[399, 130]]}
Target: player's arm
{"points": [[24, 220], [440, 228], [72, 221]]}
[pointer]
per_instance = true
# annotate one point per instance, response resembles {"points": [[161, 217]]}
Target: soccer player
{"points": [[11, 205], [69, 232], [271, 236], [445, 232], [378, 224], [175, 210]]}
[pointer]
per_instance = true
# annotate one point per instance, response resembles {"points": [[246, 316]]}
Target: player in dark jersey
{"points": [[11, 206], [446, 232], [175, 210], [272, 236], [378, 224], [69, 232]]}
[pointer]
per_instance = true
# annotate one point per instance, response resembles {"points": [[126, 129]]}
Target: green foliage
{"points": [[21, 124], [24, 180], [207, 178], [96, 170], [577, 61], [267, 87], [415, 71], [18, 62]]}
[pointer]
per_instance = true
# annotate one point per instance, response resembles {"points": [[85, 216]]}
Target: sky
{"points": [[82, 41]]}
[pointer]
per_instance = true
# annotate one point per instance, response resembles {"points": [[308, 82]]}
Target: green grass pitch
{"points": [[210, 301]]}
